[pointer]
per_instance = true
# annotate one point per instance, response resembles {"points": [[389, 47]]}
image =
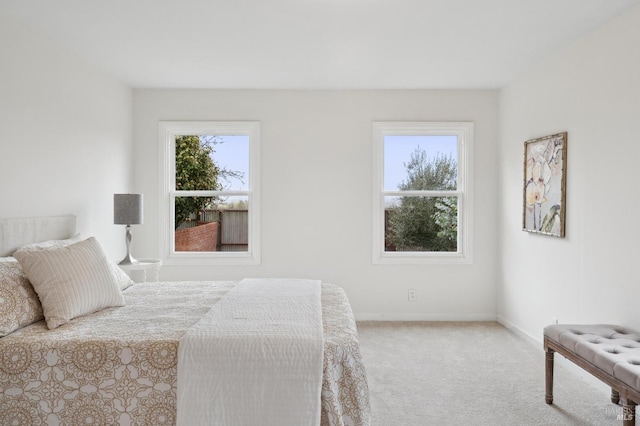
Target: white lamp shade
{"points": [[128, 209]]}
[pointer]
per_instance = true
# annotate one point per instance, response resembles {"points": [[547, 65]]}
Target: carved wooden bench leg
{"points": [[628, 413], [615, 396], [548, 397]]}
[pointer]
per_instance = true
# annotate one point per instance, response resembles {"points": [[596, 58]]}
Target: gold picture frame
{"points": [[545, 176]]}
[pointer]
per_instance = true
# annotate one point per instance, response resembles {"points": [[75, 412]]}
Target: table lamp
{"points": [[128, 210]]}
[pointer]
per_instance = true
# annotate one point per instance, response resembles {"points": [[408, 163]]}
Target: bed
{"points": [[119, 365]]}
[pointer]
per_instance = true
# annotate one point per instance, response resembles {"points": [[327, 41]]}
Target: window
{"points": [[210, 201], [422, 201]]}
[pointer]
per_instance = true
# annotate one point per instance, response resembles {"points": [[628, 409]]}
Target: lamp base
{"points": [[128, 259]]}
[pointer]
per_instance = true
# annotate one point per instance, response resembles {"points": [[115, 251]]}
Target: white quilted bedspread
{"points": [[258, 354]]}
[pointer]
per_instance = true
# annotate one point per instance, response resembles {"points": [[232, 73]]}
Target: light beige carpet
{"points": [[478, 373]]}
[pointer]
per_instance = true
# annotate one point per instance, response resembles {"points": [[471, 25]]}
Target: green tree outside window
{"points": [[421, 223], [195, 170]]}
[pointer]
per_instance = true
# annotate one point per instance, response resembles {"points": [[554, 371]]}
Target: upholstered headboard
{"points": [[15, 233]]}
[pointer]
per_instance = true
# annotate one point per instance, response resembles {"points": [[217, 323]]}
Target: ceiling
{"points": [[314, 44]]}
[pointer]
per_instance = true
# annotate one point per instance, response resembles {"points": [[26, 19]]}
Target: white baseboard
{"points": [[520, 332], [424, 317]]}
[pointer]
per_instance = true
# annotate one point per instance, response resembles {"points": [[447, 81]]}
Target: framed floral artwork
{"points": [[545, 172]]}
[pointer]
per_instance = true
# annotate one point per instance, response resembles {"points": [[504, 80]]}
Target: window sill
{"points": [[421, 259], [221, 259]]}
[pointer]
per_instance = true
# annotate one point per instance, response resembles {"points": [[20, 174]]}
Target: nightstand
{"points": [[146, 270]]}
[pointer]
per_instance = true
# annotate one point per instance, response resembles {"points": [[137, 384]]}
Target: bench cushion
{"points": [[612, 348]]}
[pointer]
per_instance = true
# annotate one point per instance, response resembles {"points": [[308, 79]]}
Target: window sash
{"points": [[422, 193], [459, 224]]}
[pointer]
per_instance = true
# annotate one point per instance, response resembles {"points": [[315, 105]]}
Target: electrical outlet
{"points": [[554, 320], [412, 295]]}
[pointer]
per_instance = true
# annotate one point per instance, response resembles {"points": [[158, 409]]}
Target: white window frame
{"points": [[167, 132], [464, 132]]}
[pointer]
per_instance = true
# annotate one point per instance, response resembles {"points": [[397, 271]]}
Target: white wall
{"points": [[65, 136], [592, 90], [316, 192]]}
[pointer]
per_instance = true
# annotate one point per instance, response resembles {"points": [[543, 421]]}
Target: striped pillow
{"points": [[71, 281], [124, 281]]}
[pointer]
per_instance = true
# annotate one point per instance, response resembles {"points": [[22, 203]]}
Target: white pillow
{"points": [[124, 281], [71, 281], [46, 245]]}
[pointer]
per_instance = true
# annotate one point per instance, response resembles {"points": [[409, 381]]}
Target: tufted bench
{"points": [[609, 352]]}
